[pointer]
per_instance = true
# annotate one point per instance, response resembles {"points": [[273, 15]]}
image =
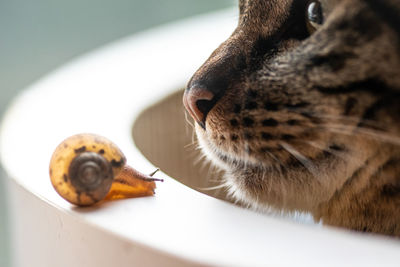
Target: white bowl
{"points": [[134, 85]]}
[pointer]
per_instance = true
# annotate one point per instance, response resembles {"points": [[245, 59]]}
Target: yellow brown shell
{"points": [[83, 166]]}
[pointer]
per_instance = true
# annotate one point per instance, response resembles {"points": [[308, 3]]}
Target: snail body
{"points": [[88, 168]]}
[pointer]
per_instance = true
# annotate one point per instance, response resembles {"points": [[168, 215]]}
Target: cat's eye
{"points": [[314, 15]]}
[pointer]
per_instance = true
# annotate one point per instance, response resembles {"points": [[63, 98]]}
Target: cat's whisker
{"points": [[322, 148], [194, 144], [340, 155], [277, 166], [352, 130], [246, 154], [274, 158], [212, 188], [213, 177], [188, 120], [203, 163], [340, 118], [301, 158], [355, 128], [190, 123], [201, 159], [213, 174]]}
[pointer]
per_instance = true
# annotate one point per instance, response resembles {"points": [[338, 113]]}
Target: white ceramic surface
{"points": [[103, 92]]}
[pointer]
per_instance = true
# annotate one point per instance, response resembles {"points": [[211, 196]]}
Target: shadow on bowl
{"points": [[166, 137]]}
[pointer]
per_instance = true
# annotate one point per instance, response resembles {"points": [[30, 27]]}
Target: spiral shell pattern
{"points": [[83, 166]]}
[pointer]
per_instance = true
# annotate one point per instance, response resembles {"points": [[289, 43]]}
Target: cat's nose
{"points": [[198, 102]]}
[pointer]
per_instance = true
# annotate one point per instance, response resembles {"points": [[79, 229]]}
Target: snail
{"points": [[88, 168]]}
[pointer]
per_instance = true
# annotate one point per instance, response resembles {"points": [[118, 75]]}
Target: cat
{"points": [[300, 107]]}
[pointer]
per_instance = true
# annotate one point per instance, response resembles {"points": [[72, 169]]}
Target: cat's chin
{"points": [[217, 156], [229, 163], [227, 159], [260, 185], [241, 196]]}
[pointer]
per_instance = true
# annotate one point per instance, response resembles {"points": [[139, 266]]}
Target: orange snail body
{"points": [[88, 168]]}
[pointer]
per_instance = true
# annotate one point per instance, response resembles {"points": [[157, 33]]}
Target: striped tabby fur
{"points": [[309, 120]]}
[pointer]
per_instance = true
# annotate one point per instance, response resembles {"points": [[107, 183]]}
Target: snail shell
{"points": [[83, 168]]}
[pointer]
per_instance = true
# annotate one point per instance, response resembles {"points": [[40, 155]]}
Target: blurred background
{"points": [[38, 36]]}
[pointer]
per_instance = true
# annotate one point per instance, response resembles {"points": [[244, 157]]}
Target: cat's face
{"points": [[300, 97]]}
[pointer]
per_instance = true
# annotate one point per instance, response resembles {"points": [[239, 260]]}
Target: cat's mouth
{"points": [[213, 152], [224, 156]]}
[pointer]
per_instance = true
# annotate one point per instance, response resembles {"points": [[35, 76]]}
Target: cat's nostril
{"points": [[198, 102]]}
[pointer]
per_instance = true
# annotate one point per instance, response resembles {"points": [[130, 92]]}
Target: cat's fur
{"points": [[309, 121]]}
